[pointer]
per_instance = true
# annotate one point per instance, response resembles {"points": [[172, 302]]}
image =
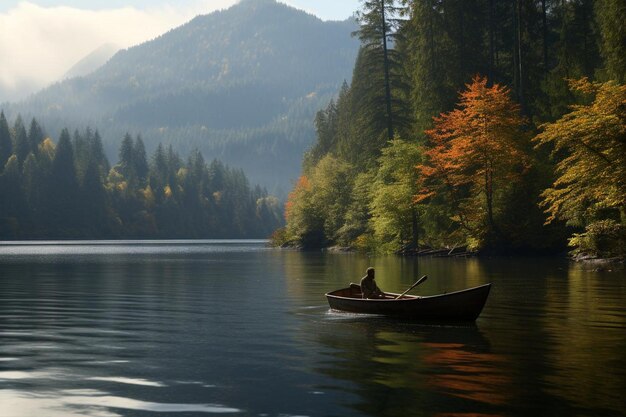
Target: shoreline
{"points": [[601, 264]]}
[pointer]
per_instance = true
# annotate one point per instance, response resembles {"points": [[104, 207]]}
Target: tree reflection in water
{"points": [[415, 369]]}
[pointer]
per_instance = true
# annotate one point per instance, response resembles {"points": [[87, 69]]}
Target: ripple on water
{"points": [[92, 403], [124, 380], [132, 404]]}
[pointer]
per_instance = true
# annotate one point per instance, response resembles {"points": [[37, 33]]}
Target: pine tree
{"points": [[98, 155], [82, 154], [94, 206], [446, 47], [375, 113], [6, 145], [376, 28], [12, 207], [126, 155], [575, 55], [611, 15], [21, 145], [158, 172], [35, 135], [62, 192], [32, 181], [140, 160]]}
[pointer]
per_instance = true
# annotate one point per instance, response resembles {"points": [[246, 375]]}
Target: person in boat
{"points": [[369, 289]]}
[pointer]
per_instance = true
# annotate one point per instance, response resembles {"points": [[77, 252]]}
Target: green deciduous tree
{"points": [[332, 181], [394, 213], [305, 225]]}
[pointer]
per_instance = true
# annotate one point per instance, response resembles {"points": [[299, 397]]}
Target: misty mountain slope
{"points": [[91, 62], [242, 85]]}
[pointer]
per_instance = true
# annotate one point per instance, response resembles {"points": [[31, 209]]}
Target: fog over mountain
{"points": [[242, 85]]}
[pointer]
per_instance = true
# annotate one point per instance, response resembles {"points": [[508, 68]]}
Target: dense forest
{"points": [[242, 84], [492, 125], [69, 190]]}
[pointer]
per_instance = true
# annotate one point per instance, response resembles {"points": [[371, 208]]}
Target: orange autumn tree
{"points": [[475, 155]]}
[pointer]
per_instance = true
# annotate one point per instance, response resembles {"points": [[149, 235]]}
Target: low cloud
{"points": [[39, 44]]}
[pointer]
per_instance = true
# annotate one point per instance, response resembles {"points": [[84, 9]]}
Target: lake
{"points": [[197, 328]]}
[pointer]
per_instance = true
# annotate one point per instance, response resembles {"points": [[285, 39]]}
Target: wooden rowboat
{"points": [[464, 305]]}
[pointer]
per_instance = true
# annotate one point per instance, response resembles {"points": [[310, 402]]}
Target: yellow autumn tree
{"points": [[590, 145], [476, 151], [304, 225], [590, 189]]}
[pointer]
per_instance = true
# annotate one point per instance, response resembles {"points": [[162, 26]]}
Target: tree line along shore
{"points": [[495, 127]]}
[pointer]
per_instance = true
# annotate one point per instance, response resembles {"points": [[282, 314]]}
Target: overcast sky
{"points": [[41, 39]]}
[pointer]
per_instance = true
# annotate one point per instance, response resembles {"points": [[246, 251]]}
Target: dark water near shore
{"points": [[233, 328]]}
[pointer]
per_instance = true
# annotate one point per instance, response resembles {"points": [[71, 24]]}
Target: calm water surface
{"points": [[203, 328]]}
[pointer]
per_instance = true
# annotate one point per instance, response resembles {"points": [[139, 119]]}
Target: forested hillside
{"points": [[68, 189], [242, 85], [502, 129]]}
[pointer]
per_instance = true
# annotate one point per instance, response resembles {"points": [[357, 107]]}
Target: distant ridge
{"points": [[242, 85], [92, 61]]}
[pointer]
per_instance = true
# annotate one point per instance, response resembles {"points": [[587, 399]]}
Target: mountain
{"points": [[241, 85], [92, 61]]}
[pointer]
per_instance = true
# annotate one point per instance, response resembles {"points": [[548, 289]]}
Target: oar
{"points": [[419, 281]]}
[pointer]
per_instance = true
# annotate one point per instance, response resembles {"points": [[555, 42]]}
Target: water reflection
{"points": [[588, 309], [550, 341], [136, 331], [405, 366]]}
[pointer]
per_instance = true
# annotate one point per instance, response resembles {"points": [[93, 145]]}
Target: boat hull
{"points": [[465, 305]]}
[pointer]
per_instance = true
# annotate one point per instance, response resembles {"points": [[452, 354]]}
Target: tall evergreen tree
{"points": [[377, 74], [21, 145], [97, 153], [611, 15], [35, 135], [126, 157], [31, 182], [376, 27], [82, 155], [446, 47], [6, 145], [12, 208], [575, 55], [94, 200], [158, 171], [62, 191], [139, 160]]}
